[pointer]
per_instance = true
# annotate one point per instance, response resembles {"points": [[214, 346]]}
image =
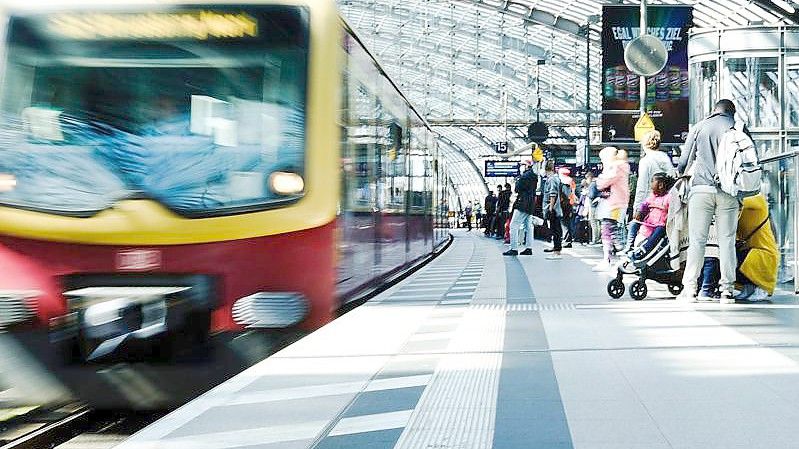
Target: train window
{"points": [[201, 110]]}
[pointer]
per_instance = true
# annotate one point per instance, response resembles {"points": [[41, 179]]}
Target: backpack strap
{"points": [[763, 223]]}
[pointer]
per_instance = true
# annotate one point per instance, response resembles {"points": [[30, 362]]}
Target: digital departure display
{"points": [[201, 25], [508, 169]]}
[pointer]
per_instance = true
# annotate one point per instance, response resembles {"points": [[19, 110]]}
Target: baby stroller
{"points": [[654, 265]]}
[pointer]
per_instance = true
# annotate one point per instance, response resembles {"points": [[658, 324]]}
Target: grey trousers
{"points": [[702, 206]]}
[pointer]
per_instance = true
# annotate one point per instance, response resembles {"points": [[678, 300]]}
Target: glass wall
{"points": [[792, 91], [752, 83], [779, 186], [758, 69], [703, 79]]}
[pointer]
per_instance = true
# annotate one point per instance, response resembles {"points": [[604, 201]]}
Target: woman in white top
{"points": [[652, 161]]}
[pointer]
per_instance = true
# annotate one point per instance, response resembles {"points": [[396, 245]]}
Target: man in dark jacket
{"points": [[503, 203], [490, 205], [707, 201], [523, 209]]}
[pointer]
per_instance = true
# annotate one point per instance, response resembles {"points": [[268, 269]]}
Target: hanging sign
{"points": [[643, 126]]}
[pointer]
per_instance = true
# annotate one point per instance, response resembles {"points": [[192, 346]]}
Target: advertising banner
{"points": [[666, 93]]}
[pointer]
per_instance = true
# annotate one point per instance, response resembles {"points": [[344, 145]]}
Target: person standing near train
{"points": [[523, 209], [490, 212]]}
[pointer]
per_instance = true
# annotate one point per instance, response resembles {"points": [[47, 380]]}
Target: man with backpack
{"points": [[523, 209], [707, 149]]}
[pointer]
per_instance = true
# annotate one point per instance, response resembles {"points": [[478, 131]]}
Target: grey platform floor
{"points": [[480, 351]]}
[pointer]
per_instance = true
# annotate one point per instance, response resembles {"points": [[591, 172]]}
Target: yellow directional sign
{"points": [[538, 154], [643, 126]]}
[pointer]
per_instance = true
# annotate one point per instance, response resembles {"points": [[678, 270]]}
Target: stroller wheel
{"points": [[638, 290], [675, 289], [616, 288]]}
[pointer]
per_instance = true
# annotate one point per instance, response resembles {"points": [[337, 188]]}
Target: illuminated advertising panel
{"points": [[666, 93]]}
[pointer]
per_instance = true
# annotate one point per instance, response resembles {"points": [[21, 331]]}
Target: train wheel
{"points": [[638, 290], [616, 288], [675, 289]]}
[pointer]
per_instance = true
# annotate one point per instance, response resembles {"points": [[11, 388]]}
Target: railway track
{"points": [[82, 428], [76, 426]]}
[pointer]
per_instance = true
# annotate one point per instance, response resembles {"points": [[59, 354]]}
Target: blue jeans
{"points": [[650, 242], [632, 233], [711, 274]]}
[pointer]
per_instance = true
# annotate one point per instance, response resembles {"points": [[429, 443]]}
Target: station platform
{"points": [[481, 351]]}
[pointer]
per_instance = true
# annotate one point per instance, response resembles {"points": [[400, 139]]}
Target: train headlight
{"points": [[286, 183], [8, 182]]}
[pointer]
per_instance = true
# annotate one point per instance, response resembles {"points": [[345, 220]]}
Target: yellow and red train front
{"points": [[174, 157]]}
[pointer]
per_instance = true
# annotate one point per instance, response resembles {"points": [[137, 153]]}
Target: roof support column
{"points": [[642, 79]]}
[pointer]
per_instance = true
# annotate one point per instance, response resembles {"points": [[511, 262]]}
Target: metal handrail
{"points": [[778, 157]]}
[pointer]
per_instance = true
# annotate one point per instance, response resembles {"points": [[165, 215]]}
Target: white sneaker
{"points": [[686, 297], [758, 295], [601, 267]]}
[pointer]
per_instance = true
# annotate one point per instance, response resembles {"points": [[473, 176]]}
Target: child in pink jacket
{"points": [[653, 213], [615, 180]]}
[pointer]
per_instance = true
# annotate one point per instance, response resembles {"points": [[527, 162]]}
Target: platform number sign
{"points": [[501, 147]]}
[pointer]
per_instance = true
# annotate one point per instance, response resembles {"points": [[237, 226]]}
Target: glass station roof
{"points": [[481, 70]]}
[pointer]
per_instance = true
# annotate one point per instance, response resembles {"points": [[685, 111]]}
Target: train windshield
{"points": [[201, 109]]}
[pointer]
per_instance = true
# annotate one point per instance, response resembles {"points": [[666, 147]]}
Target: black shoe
{"points": [[510, 252], [549, 250], [568, 245], [527, 252]]}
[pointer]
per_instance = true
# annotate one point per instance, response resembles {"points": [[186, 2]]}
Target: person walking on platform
{"points": [[706, 201], [758, 254], [568, 207], [467, 213], [523, 209], [592, 197], [503, 204], [490, 204], [610, 209], [556, 196], [653, 161]]}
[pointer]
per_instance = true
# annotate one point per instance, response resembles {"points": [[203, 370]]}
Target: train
{"points": [[184, 184]]}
